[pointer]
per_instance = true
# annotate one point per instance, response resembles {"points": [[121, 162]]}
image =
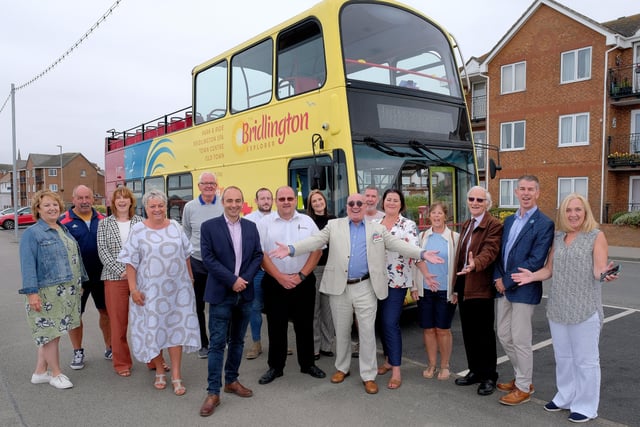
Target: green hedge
{"points": [[631, 219]]}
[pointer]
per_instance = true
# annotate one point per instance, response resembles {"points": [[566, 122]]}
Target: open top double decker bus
{"points": [[345, 95]]}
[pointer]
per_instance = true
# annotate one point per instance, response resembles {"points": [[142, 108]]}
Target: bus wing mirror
{"points": [[493, 168], [317, 177]]}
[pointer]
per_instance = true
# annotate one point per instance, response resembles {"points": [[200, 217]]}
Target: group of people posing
{"points": [[322, 274]]}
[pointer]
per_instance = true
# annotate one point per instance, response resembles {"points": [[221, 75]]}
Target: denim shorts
{"points": [[434, 311]]}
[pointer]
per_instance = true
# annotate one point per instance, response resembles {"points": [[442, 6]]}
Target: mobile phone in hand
{"points": [[613, 270]]}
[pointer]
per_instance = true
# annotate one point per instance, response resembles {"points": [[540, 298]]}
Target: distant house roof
{"points": [[627, 26]]}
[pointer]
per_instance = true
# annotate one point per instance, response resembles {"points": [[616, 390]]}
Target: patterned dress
{"points": [[60, 303], [399, 266], [168, 316]]}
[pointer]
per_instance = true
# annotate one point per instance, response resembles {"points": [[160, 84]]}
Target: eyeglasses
{"points": [[213, 184], [286, 199], [355, 203], [476, 199]]}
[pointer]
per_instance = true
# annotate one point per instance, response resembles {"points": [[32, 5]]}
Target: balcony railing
{"points": [[479, 107], [624, 81], [624, 150]]}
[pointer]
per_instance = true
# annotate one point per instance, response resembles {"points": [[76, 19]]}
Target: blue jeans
{"points": [[256, 306], [391, 333], [228, 323]]}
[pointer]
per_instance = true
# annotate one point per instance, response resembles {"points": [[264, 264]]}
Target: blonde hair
{"points": [[589, 223], [37, 199]]}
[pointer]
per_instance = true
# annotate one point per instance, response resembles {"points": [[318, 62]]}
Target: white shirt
{"points": [[274, 229]]}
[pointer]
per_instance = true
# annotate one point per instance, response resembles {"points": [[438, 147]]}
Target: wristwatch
{"points": [[302, 276]]}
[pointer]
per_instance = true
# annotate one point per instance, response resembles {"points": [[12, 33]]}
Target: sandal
{"points": [[166, 367], [178, 388], [444, 373], [161, 382], [124, 373], [429, 372], [394, 384], [384, 369]]}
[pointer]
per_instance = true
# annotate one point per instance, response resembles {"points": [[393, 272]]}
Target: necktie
{"points": [[466, 240]]}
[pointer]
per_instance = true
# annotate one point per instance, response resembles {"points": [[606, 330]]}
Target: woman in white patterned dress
{"points": [[162, 307]]}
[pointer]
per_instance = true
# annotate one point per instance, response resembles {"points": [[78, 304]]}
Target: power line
{"points": [[71, 49]]}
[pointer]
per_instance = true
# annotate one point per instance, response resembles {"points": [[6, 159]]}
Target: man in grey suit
{"points": [[354, 277]]}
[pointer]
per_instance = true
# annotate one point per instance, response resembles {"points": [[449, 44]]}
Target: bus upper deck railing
{"points": [[172, 122]]}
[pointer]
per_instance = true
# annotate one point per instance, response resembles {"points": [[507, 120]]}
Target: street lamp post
{"points": [[61, 189]]}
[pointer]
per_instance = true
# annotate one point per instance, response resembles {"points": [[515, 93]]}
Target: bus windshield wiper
{"points": [[381, 146]]}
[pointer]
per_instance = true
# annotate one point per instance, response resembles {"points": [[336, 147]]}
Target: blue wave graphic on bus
{"points": [[157, 149], [146, 158]]}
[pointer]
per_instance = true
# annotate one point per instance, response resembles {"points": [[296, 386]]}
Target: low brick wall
{"points": [[621, 235]]}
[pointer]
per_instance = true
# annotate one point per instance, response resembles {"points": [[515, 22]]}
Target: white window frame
{"points": [[53, 172], [632, 199], [508, 78], [572, 182], [575, 54], [574, 118], [83, 173], [512, 201], [53, 187], [512, 126]]}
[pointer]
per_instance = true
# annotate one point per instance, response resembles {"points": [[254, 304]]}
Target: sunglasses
{"points": [[353, 203], [214, 184], [286, 199], [476, 199]]}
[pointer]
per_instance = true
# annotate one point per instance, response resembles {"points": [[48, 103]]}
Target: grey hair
{"points": [[488, 201], [154, 193]]}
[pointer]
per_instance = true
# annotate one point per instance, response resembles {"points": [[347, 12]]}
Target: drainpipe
{"points": [[605, 102]]}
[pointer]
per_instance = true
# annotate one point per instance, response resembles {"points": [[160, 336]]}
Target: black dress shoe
{"points": [[486, 387], [269, 376], [468, 379], [326, 353], [314, 371]]}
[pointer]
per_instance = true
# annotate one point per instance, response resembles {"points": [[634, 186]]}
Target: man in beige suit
{"points": [[354, 277]]}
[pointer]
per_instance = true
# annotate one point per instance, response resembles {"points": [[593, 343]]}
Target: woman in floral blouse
{"points": [[400, 279]]}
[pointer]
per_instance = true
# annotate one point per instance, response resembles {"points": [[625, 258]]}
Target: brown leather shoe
{"points": [[339, 376], [237, 389], [516, 397], [511, 386], [209, 405], [370, 387]]}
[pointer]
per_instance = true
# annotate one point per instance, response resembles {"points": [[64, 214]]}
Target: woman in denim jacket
{"points": [[52, 275]]}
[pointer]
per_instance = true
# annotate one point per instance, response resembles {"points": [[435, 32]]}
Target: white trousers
{"points": [[361, 299], [577, 365], [515, 334]]}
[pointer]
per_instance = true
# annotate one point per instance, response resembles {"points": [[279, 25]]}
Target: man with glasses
{"points": [[475, 258], [288, 287], [197, 211], [355, 278]]}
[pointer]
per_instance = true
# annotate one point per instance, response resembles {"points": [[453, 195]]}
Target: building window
{"points": [[53, 172], [53, 187], [574, 130], [575, 65], [567, 186], [480, 138], [83, 173], [507, 195], [512, 136], [513, 77]]}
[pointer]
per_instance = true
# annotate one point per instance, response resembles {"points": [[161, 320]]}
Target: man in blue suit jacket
{"points": [[232, 254], [526, 239]]}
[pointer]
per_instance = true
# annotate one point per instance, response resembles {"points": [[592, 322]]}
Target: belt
{"points": [[358, 280]]}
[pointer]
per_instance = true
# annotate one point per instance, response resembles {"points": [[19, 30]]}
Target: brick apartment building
{"points": [[559, 97], [60, 173]]}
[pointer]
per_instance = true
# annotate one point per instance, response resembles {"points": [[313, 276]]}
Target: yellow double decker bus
{"points": [[343, 96]]}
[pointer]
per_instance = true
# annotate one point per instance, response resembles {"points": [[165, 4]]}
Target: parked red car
{"points": [[24, 218]]}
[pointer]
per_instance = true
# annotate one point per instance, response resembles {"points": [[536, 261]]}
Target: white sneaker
{"points": [[61, 382], [40, 378]]}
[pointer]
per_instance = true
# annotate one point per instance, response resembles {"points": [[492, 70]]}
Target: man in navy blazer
{"points": [[232, 254], [526, 239]]}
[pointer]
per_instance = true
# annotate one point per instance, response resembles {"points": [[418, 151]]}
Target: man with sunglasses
{"points": [[288, 287], [355, 277], [475, 258]]}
